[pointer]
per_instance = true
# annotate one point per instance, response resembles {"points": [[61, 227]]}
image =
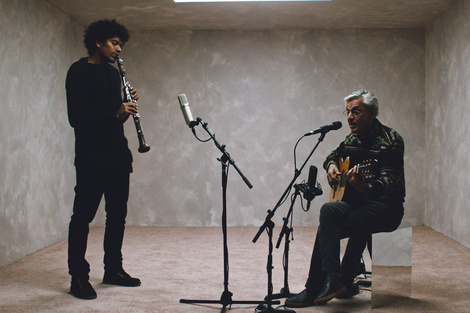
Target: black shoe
{"points": [[81, 288], [351, 291], [120, 278], [301, 300], [333, 287]]}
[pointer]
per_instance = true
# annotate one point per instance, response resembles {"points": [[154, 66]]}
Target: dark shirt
{"points": [[93, 98], [386, 146]]}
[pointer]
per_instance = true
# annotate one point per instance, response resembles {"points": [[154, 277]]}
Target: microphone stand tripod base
{"points": [[283, 294], [262, 308]]}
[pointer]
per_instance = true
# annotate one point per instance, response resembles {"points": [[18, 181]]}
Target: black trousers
{"points": [[92, 184], [357, 222]]}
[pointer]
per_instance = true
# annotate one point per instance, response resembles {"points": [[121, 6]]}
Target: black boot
{"points": [[351, 290], [120, 278], [81, 288], [333, 287], [301, 300]]}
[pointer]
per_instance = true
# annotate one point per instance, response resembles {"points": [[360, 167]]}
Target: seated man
{"points": [[369, 204]]}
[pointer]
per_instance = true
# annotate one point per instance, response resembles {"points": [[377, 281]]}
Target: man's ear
{"points": [[98, 44]]}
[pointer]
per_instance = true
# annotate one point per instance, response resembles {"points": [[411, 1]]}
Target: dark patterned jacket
{"points": [[387, 147]]}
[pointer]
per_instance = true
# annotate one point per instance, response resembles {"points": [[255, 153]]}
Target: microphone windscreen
{"points": [[182, 99], [312, 176], [184, 105], [336, 125]]}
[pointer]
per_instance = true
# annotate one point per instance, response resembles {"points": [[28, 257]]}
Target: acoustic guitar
{"points": [[366, 169]]}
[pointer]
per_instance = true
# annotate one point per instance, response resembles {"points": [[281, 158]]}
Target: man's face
{"points": [[109, 49], [360, 119]]}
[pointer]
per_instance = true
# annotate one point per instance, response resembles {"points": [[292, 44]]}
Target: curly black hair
{"points": [[102, 30]]}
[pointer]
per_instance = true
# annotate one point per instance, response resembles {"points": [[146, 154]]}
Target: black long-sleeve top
{"points": [[93, 98]]}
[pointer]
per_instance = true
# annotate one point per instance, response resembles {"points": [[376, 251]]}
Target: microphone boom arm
{"points": [[225, 155], [286, 192]]}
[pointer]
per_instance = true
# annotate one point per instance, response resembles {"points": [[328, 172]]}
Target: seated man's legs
{"points": [[350, 263], [373, 217], [325, 263], [369, 218], [340, 220]]}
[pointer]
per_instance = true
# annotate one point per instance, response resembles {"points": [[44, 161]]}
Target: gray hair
{"points": [[368, 98]]}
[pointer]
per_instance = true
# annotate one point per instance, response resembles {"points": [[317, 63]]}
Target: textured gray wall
{"points": [[38, 45], [259, 92], [447, 123]]}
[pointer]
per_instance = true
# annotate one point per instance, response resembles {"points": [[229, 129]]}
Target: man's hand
{"points": [[356, 180], [125, 110], [333, 175], [134, 94]]}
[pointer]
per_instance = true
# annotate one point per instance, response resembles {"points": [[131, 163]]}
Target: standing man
{"points": [[103, 161], [369, 205]]}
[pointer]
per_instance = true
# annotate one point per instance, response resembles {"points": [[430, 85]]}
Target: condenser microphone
{"points": [[326, 128], [312, 181], [188, 116]]}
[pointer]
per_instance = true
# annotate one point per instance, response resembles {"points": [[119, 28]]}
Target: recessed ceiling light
{"points": [[180, 1]]}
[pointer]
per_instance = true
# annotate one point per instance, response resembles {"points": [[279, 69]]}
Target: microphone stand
{"points": [[286, 230], [226, 297], [269, 225]]}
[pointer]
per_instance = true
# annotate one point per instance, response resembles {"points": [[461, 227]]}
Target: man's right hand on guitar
{"points": [[333, 175]]}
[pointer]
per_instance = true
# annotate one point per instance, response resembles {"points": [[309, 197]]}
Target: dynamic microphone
{"points": [[312, 180], [188, 116], [326, 128]]}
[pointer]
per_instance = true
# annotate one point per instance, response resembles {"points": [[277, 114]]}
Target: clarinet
{"points": [[143, 146]]}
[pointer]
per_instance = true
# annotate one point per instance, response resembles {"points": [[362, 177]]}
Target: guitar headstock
{"points": [[367, 168]]}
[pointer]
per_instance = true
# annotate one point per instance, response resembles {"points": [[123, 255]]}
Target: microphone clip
{"points": [[192, 124], [308, 192]]}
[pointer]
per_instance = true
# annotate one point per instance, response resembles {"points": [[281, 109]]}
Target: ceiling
{"points": [[165, 14]]}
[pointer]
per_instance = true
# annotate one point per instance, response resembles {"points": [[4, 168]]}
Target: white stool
{"points": [[391, 267]]}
